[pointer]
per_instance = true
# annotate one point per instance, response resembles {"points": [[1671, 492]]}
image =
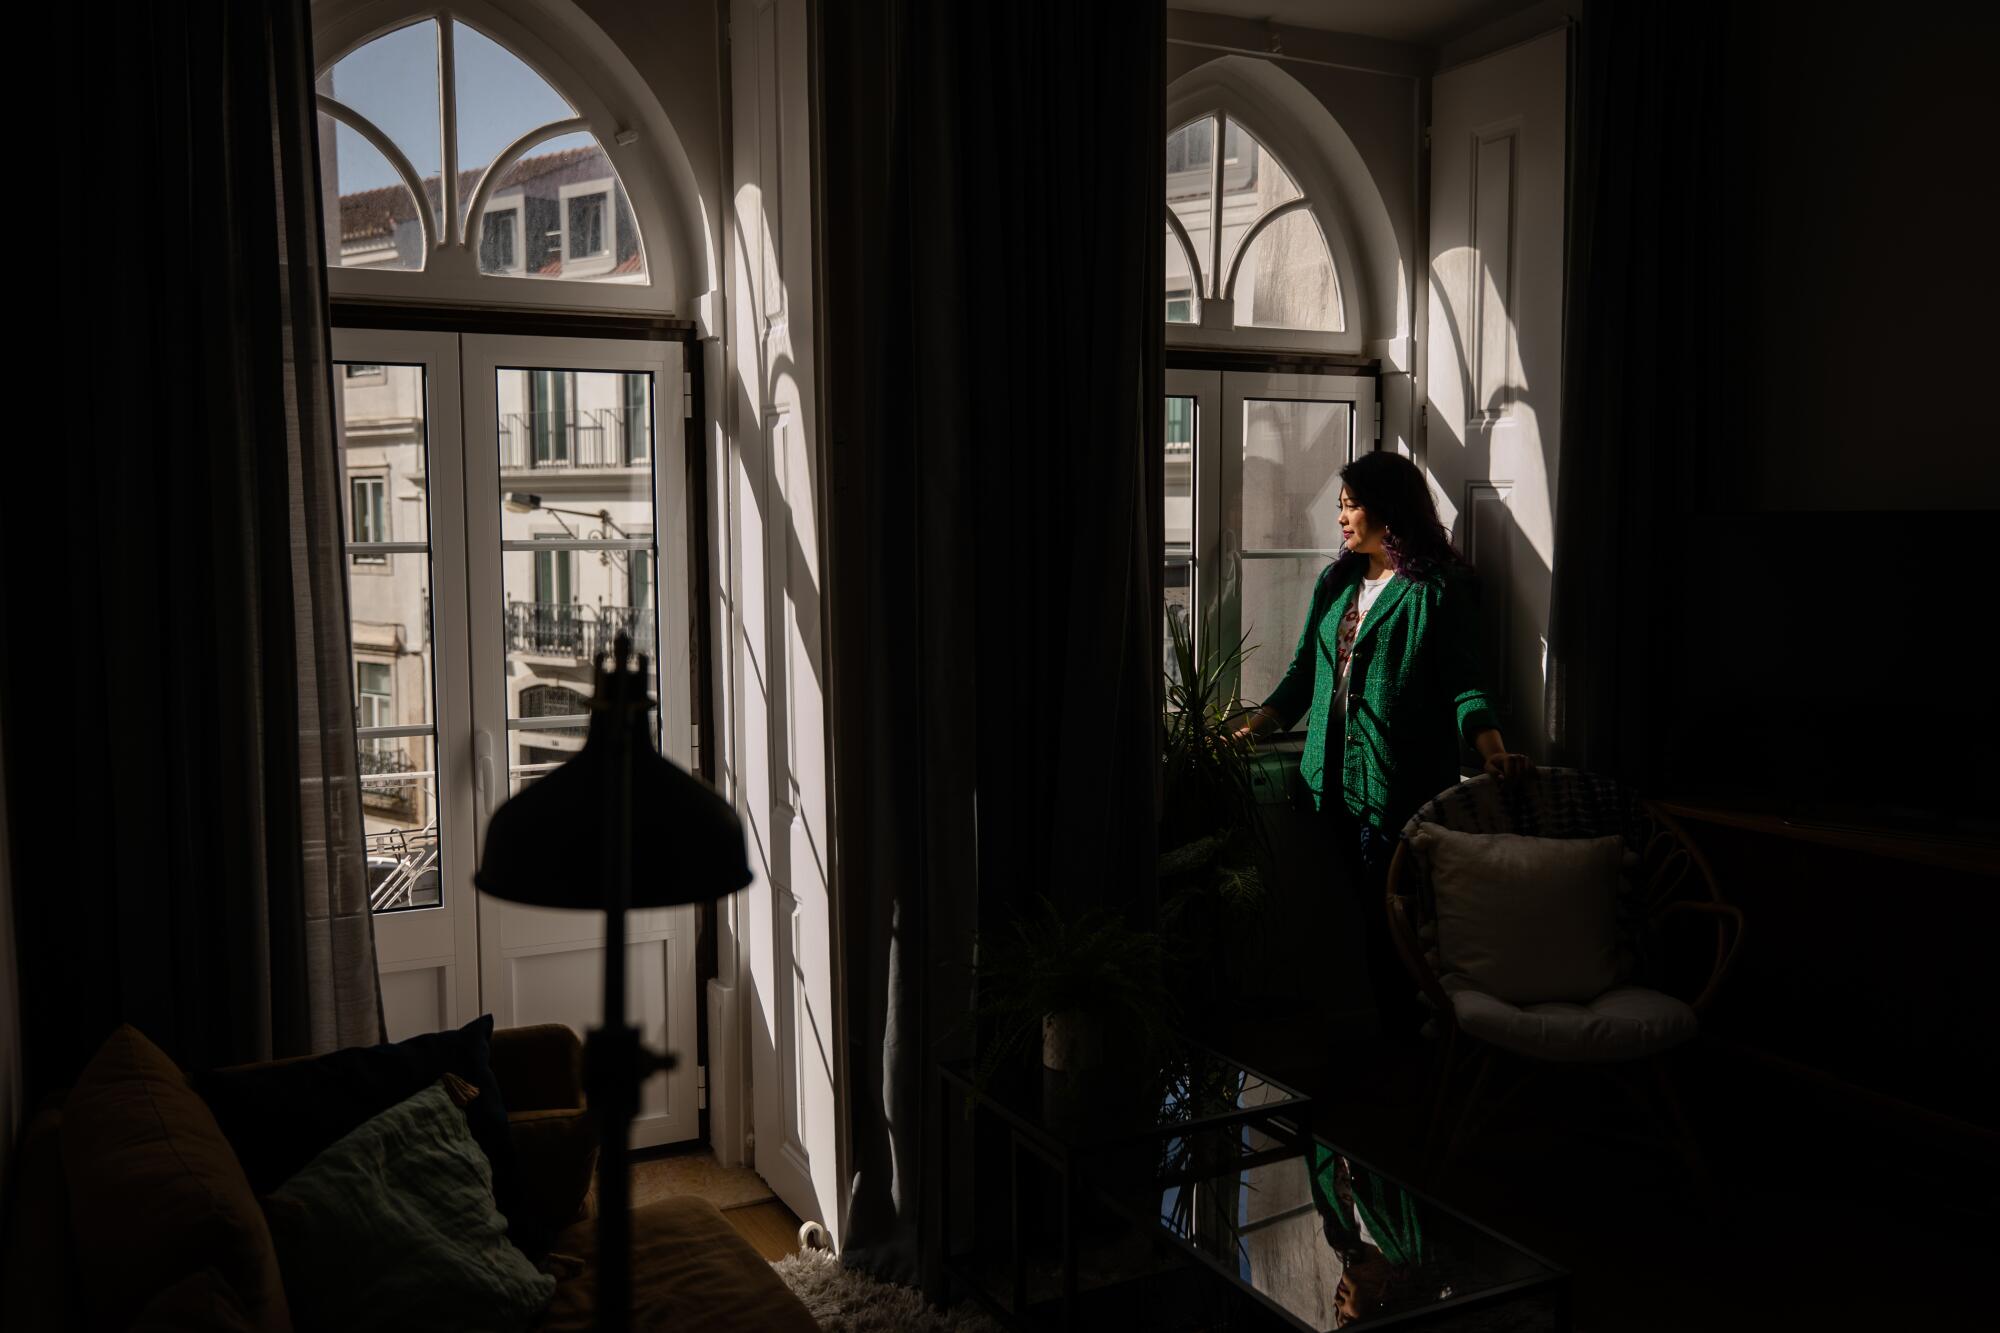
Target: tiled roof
{"points": [[371, 214]]}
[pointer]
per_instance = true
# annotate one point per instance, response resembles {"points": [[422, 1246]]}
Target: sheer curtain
{"points": [[993, 247], [187, 838]]}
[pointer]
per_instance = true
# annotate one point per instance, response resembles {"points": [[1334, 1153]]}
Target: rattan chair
{"points": [[1678, 940]]}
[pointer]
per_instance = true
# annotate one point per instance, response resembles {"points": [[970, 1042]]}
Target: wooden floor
{"points": [[770, 1227]]}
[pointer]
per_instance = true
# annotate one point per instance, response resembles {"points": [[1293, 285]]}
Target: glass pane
{"points": [[499, 100], [1189, 184], [1180, 472], [1252, 179], [570, 217], [1179, 602], [389, 610], [1183, 306], [399, 813], [1286, 280], [1277, 590], [371, 216], [558, 424], [1293, 451], [379, 417], [576, 481], [393, 81], [1334, 1243], [379, 422]]}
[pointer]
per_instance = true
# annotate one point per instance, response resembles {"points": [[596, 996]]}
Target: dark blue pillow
{"points": [[279, 1117]]}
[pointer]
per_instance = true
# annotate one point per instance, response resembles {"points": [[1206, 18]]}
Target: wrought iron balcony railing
{"points": [[570, 629], [590, 438]]}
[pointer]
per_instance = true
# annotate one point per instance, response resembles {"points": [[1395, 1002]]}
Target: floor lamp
{"points": [[616, 828]]}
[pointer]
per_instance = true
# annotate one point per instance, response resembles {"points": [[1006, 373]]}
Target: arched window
{"points": [[440, 149], [1241, 232]]}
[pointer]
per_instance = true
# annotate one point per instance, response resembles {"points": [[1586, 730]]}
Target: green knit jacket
{"points": [[1413, 691]]}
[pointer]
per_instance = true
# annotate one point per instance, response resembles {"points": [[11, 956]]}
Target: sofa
{"points": [[137, 1213]]}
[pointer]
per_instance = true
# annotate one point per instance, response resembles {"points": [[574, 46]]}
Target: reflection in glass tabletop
{"points": [[1185, 1089], [1329, 1242]]}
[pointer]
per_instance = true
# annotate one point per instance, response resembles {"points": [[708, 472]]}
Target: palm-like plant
{"points": [[1210, 835]]}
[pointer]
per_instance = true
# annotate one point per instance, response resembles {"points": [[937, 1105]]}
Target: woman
{"points": [[1376, 1227], [1386, 673]]}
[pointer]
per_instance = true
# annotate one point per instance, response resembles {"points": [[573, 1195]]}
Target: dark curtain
{"points": [[181, 773], [992, 230], [1660, 198]]}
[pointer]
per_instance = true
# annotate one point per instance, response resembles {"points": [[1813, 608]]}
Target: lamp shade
{"points": [[546, 846]]}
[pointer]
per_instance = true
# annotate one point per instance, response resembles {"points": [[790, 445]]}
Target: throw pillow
{"points": [[393, 1227], [280, 1116], [155, 1192], [1529, 920]]}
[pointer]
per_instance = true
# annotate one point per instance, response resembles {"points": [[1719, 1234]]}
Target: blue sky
{"points": [[393, 81]]}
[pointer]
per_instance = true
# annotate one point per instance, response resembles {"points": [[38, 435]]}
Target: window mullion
{"points": [[453, 228], [1216, 126]]}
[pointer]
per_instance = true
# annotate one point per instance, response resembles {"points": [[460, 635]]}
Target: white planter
{"points": [[1072, 1040]]}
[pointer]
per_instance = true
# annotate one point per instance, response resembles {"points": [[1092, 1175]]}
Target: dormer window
{"points": [[500, 240], [588, 227]]}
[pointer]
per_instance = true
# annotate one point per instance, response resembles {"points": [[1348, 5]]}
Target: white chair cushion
{"points": [[1525, 919], [1626, 1023]]}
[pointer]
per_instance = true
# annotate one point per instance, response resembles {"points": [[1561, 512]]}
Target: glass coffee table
{"points": [[1191, 1195]]}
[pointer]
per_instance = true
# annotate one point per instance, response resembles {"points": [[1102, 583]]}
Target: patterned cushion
{"points": [[393, 1227]]}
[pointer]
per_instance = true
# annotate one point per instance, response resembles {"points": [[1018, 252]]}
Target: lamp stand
{"points": [[689, 848], [615, 1062]]}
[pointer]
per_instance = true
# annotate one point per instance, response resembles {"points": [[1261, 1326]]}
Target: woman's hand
{"points": [[1259, 721], [1504, 764], [1500, 761]]}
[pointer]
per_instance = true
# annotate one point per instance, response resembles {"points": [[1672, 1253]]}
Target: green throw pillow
{"points": [[393, 1227]]}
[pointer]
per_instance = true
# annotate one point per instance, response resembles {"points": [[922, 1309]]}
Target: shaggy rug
{"points": [[845, 1301]]}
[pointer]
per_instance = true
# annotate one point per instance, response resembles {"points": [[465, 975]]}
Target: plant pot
{"points": [[1072, 1040]]}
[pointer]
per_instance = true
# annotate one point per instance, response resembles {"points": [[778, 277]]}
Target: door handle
{"points": [[482, 772]]}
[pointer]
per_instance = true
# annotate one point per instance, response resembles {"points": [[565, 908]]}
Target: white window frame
{"points": [[428, 942], [614, 103], [1214, 274], [516, 205], [1216, 596], [600, 260]]}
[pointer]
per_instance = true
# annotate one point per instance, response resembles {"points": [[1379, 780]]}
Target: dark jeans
{"points": [[1361, 858]]}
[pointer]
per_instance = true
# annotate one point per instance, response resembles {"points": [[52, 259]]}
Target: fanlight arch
{"points": [[1230, 199], [1370, 256], [470, 158]]}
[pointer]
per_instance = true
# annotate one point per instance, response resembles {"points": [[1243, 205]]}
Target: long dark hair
{"points": [[1398, 500]]}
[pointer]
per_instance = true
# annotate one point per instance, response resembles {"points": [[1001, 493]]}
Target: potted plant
{"points": [[1074, 981], [1212, 841]]}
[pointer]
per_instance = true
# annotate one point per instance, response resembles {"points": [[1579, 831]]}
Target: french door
{"points": [[1253, 504], [514, 505]]}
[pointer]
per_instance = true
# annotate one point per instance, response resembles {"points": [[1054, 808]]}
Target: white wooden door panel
{"points": [[769, 611], [1494, 416], [547, 483]]}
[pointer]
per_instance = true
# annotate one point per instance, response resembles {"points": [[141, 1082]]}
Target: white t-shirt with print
{"points": [[1350, 628]]}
